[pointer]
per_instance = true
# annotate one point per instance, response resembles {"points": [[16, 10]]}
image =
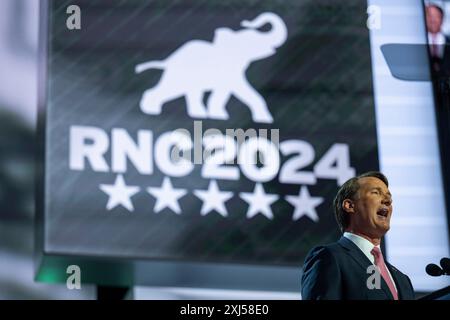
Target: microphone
{"points": [[434, 270], [445, 265]]}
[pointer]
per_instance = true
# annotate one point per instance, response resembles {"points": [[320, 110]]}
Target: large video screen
{"points": [[208, 131]]}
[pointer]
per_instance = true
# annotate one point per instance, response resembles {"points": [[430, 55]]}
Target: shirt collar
{"points": [[363, 244], [437, 38]]}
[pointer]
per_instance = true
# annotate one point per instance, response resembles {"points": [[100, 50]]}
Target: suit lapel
{"points": [[356, 253]]}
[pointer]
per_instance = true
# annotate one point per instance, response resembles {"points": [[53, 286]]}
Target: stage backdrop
{"points": [[202, 131]]}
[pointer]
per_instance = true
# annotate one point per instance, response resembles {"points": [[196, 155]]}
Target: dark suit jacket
{"points": [[338, 271], [440, 66]]}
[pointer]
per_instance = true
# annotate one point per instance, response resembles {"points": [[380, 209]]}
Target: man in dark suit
{"points": [[437, 41], [354, 267]]}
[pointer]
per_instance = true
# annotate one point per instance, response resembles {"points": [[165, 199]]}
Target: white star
{"points": [[213, 199], [259, 201], [167, 196], [119, 193], [304, 204]]}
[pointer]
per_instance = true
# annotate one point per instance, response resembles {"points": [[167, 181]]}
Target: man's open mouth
{"points": [[383, 212]]}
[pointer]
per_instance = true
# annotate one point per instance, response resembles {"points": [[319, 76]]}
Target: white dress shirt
{"points": [[366, 247], [439, 40]]}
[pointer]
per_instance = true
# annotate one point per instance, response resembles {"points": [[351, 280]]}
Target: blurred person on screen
{"points": [[437, 40], [354, 268]]}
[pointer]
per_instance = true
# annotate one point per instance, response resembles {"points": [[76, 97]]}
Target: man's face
{"points": [[434, 19], [372, 208]]}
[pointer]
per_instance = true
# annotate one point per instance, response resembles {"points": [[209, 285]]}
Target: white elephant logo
{"points": [[218, 67]]}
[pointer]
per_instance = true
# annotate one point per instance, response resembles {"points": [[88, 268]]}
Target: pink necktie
{"points": [[379, 262], [434, 46]]}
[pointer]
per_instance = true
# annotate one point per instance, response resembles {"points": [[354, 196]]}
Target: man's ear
{"points": [[348, 206]]}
